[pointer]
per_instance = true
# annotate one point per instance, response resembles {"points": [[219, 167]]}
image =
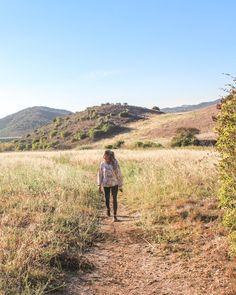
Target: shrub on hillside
{"points": [[53, 133], [57, 121], [80, 135], [147, 144], [101, 129], [65, 134], [185, 137], [155, 108], [118, 144], [226, 144], [124, 114]]}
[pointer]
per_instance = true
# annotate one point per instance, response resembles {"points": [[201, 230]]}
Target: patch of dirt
{"points": [[126, 263]]}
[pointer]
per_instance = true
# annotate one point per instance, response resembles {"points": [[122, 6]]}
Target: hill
{"points": [[162, 128], [187, 108], [25, 121], [91, 125]]}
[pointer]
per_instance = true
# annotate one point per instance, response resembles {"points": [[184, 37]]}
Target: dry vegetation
{"points": [[49, 215], [162, 128], [83, 127], [106, 124]]}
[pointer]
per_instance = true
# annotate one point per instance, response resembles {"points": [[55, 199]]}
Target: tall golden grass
{"points": [[49, 206], [48, 216]]}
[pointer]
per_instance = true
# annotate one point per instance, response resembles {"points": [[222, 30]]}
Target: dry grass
{"points": [[49, 207], [48, 216], [162, 128]]}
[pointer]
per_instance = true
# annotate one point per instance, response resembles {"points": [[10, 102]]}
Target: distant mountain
{"points": [[27, 120], [187, 108]]}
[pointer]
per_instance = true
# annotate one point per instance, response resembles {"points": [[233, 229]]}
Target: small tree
{"points": [[155, 108]]}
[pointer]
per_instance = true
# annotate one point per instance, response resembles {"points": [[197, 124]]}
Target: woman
{"points": [[110, 180]]}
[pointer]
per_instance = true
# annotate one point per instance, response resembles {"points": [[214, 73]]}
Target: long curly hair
{"points": [[113, 160]]}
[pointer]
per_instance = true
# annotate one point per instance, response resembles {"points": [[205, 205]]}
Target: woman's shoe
{"points": [[108, 212], [115, 219]]}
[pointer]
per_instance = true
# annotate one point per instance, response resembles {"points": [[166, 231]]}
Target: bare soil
{"points": [[126, 263]]}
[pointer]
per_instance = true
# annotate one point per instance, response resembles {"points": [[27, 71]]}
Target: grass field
{"points": [[49, 208]]}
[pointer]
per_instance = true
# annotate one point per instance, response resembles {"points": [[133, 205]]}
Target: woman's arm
{"points": [[119, 176], [100, 177]]}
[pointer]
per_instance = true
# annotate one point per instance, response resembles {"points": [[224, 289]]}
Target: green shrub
{"points": [[124, 114], [95, 133], [185, 137], [41, 144], [226, 144], [155, 108], [58, 121], [80, 135], [53, 133], [65, 134], [85, 147], [118, 144], [101, 129], [21, 147], [147, 144], [36, 140], [109, 146]]}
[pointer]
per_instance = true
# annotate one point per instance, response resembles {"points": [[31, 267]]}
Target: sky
{"points": [[72, 54]]}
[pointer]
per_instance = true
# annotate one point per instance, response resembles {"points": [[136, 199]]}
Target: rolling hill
{"points": [[187, 108], [162, 128], [103, 125], [25, 121], [91, 125]]}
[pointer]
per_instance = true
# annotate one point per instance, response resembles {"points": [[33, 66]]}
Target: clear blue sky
{"points": [[75, 53]]}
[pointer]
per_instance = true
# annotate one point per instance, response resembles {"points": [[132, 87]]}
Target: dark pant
{"points": [[114, 191]]}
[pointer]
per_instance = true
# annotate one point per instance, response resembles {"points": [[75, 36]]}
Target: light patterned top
{"points": [[109, 176]]}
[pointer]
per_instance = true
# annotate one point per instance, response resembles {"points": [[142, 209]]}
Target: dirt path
{"points": [[125, 263]]}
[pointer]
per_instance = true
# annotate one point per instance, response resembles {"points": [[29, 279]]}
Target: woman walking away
{"points": [[110, 180]]}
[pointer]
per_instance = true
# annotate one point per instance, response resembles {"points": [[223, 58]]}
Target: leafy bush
{"points": [[57, 121], [118, 144], [226, 144], [41, 144], [124, 114], [101, 129], [53, 133], [95, 133], [65, 134], [80, 135], [155, 108], [147, 144], [21, 147], [185, 137], [109, 146]]}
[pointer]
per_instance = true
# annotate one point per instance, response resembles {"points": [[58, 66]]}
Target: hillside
{"points": [[91, 125], [25, 121], [162, 128], [187, 108]]}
